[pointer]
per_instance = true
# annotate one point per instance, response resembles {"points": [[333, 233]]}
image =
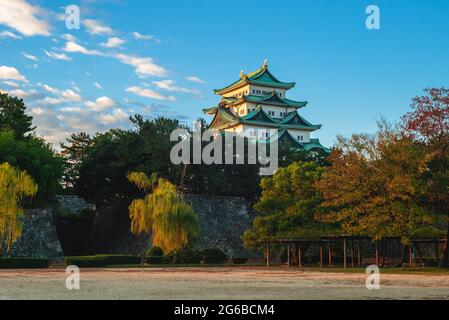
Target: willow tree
{"points": [[162, 214], [14, 186]]}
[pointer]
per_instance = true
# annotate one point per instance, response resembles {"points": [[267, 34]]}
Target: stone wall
{"points": [[222, 221], [39, 238]]}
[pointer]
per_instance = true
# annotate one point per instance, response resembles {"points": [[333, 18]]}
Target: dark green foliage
{"points": [[155, 259], [214, 256], [38, 159], [101, 260], [102, 175], [74, 152], [23, 263], [13, 117], [155, 252]]}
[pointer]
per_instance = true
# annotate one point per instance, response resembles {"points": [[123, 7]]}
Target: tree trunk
{"points": [[445, 261], [147, 245]]}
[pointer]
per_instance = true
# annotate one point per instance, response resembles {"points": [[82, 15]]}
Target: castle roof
{"points": [[262, 77]]}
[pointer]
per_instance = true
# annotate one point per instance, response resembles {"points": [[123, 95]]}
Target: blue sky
{"points": [[165, 58]]}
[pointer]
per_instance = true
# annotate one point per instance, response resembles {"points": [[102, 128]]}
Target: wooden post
{"points": [[352, 253], [330, 254], [268, 254], [299, 255], [321, 254], [377, 253], [344, 253], [288, 254], [436, 252], [359, 254]]}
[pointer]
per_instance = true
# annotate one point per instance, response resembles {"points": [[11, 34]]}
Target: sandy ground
{"points": [[217, 283]]}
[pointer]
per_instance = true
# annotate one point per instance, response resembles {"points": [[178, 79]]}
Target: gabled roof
{"points": [[258, 117], [315, 145], [293, 118], [272, 99], [262, 77], [224, 117]]}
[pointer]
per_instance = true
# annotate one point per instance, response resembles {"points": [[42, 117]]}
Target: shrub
{"points": [[155, 252], [155, 259], [101, 260], [214, 255], [23, 263], [239, 260]]}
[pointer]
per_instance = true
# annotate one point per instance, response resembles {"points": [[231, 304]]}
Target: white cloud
{"points": [[100, 104], [71, 96], [21, 16], [21, 93], [52, 101], [57, 56], [69, 37], [29, 56], [139, 36], [11, 73], [143, 66], [8, 34], [116, 116], [71, 46], [169, 85], [195, 79], [11, 84], [148, 93], [72, 109], [97, 85], [95, 27], [113, 42], [50, 89], [37, 111]]}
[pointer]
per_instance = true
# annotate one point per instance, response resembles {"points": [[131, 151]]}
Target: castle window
{"points": [[300, 138], [258, 91], [254, 91]]}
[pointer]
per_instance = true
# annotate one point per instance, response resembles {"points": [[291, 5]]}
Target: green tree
{"points": [[14, 186], [163, 214], [13, 117], [74, 152], [38, 159], [288, 205]]}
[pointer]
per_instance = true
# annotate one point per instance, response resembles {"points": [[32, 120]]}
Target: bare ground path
{"points": [[217, 283]]}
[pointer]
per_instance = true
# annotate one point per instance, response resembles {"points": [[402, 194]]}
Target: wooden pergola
{"points": [[352, 242]]}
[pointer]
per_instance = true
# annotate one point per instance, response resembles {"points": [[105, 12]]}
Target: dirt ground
{"points": [[217, 283]]}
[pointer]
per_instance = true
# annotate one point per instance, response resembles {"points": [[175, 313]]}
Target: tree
{"points": [[74, 152], [13, 117], [428, 123], [163, 214], [288, 205], [372, 187], [38, 159], [145, 148], [14, 186]]}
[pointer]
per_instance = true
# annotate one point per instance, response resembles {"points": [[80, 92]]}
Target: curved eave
{"points": [[210, 111], [253, 78], [278, 125], [315, 145]]}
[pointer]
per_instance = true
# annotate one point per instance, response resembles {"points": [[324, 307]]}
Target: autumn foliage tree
{"points": [[428, 124], [162, 214], [372, 187], [14, 186]]}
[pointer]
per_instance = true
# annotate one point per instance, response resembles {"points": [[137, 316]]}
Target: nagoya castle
{"points": [[256, 107]]}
